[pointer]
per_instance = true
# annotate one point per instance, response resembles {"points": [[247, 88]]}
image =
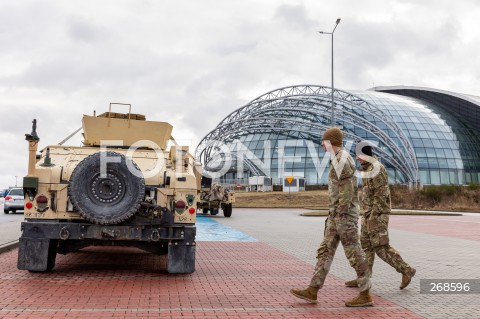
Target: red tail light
{"points": [[8, 198], [42, 203], [180, 204], [42, 199], [191, 210], [28, 205]]}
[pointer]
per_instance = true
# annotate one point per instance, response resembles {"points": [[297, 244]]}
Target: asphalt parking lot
{"points": [[245, 268], [9, 227]]}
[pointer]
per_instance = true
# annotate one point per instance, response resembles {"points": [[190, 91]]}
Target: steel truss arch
{"points": [[284, 125], [285, 106]]}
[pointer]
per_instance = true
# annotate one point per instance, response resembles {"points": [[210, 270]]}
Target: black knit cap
{"points": [[367, 150]]}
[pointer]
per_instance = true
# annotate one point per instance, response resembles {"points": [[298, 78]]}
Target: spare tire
{"points": [[109, 199]]}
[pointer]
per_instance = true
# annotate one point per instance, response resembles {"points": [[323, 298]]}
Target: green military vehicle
{"points": [[122, 188]]}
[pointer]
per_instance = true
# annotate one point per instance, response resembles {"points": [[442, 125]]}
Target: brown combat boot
{"points": [[406, 278], [351, 283], [309, 294], [362, 300]]}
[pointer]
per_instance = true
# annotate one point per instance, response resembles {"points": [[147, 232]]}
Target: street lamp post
{"points": [[332, 119]]}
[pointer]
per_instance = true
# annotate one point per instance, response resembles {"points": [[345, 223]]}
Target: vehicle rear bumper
{"points": [[14, 205], [184, 234]]}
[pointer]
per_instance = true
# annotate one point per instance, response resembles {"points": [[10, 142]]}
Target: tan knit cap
{"points": [[334, 135]]}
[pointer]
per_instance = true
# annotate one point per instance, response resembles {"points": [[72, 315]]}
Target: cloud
{"points": [[82, 30], [294, 16], [192, 63]]}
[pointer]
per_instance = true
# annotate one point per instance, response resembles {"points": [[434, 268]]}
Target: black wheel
{"points": [[14, 211], [111, 198], [227, 210], [214, 211], [5, 211], [205, 210]]}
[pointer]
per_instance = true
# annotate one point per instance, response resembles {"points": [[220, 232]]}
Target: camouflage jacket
{"points": [[376, 193], [342, 185]]}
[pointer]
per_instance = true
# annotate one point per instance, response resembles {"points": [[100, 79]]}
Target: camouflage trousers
{"points": [[374, 240], [344, 229]]}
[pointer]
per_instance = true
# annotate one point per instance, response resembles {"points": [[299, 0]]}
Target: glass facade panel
{"points": [[433, 163], [443, 163], [474, 178], [444, 177], [435, 177], [301, 151], [453, 177], [424, 176], [408, 132]]}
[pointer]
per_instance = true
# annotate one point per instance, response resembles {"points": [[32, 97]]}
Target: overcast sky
{"points": [[193, 62]]}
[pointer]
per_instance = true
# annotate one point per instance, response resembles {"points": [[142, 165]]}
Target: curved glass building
{"points": [[421, 135]]}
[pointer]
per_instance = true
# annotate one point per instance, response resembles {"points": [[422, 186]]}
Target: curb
{"points": [[405, 213], [9, 246]]}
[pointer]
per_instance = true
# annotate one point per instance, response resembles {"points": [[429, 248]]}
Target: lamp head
{"points": [[338, 20]]}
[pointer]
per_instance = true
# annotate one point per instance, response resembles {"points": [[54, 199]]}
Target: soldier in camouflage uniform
{"points": [[376, 209], [341, 225]]}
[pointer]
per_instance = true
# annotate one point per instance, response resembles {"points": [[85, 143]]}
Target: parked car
{"points": [[14, 200]]}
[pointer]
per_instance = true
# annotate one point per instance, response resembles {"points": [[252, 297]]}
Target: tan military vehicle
{"points": [[214, 197], [122, 188]]}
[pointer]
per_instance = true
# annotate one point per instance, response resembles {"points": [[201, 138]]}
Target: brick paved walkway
{"points": [[462, 227], [233, 280], [437, 246], [247, 279]]}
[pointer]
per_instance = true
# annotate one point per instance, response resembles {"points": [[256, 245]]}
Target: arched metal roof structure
{"points": [[302, 109]]}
